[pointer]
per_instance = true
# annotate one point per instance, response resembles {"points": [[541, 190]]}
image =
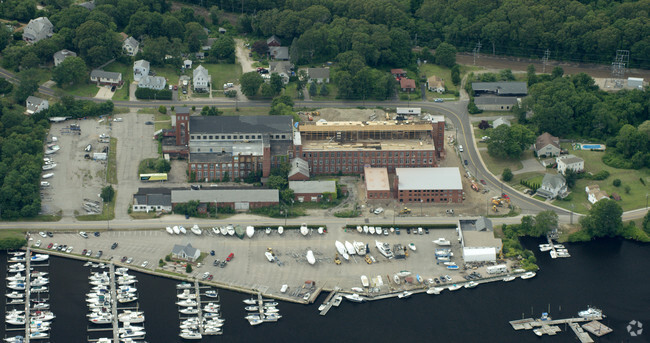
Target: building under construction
{"points": [[348, 147]]}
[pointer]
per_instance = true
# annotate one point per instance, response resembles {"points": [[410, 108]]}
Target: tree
{"points": [[312, 89], [532, 77], [646, 223], [28, 85], [210, 111], [506, 175], [280, 109], [260, 47], [71, 70], [188, 268], [455, 74], [5, 86], [282, 99], [194, 36], [445, 55], [226, 176], [323, 90], [545, 222], [557, 72], [510, 141], [603, 219], [5, 35], [276, 83], [483, 125], [267, 90], [163, 166], [225, 48], [617, 182], [107, 194], [506, 75], [162, 109], [250, 83], [30, 60]]}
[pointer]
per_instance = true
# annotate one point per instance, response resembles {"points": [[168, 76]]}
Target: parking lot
{"points": [[78, 180], [250, 268]]}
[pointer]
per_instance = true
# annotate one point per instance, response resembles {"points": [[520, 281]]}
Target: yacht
{"points": [[18, 286], [271, 310], [359, 229], [349, 248], [509, 278], [190, 334], [15, 295], [310, 257], [545, 247], [304, 230], [122, 299], [186, 295], [250, 231], [176, 230], [268, 230], [559, 246], [252, 308], [250, 301], [169, 230], [404, 294], [15, 339], [364, 281], [131, 316], [553, 253], [360, 248], [270, 303], [435, 290], [189, 310], [186, 302], [271, 317], [591, 313], [471, 284], [196, 230], [183, 285], [354, 297], [371, 230], [384, 249], [528, 275], [37, 335], [42, 315], [280, 230], [255, 321], [230, 230], [48, 175], [40, 306], [49, 166], [126, 327], [211, 307], [455, 287], [337, 300], [182, 229], [442, 242], [104, 318], [17, 259]]}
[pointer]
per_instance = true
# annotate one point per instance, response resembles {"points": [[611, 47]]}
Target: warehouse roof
{"points": [[391, 125], [428, 178], [240, 124], [495, 100], [376, 179], [225, 195], [479, 239], [501, 88], [306, 187]]}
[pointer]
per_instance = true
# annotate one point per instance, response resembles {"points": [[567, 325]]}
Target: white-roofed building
{"points": [[140, 69], [201, 79], [428, 185], [571, 162], [478, 241], [500, 121], [186, 252]]}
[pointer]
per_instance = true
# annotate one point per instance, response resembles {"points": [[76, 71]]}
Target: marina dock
{"points": [[550, 327], [597, 328], [328, 301], [581, 334], [28, 293], [111, 270], [198, 306]]}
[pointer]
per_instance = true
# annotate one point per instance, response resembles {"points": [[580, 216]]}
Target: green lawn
{"points": [[122, 93], [445, 74], [245, 111], [593, 163], [117, 67], [332, 89], [291, 90], [168, 73], [497, 165], [83, 89], [223, 73]]}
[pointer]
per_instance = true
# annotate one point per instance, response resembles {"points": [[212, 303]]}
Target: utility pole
{"points": [[620, 61], [476, 51], [547, 54]]}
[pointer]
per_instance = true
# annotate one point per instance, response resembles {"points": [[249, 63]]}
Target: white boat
{"points": [[321, 230], [40, 306], [42, 315], [360, 248], [223, 230], [371, 230], [384, 249], [364, 281], [250, 301], [182, 229], [215, 230], [455, 287], [169, 230], [186, 302], [189, 310], [471, 284], [269, 256], [359, 229], [106, 318], [211, 307], [15, 295], [349, 248], [340, 247], [545, 247], [397, 279], [553, 253], [15, 339], [354, 297], [129, 333], [255, 321], [122, 299], [591, 313], [509, 278], [404, 294], [304, 230], [16, 277], [280, 230], [268, 230], [40, 282], [230, 230], [176, 230], [48, 175], [310, 257], [211, 293], [49, 166], [18, 286], [435, 290], [528, 275], [442, 242], [250, 231], [196, 230], [17, 259], [284, 288], [271, 310], [559, 246], [365, 229], [37, 335], [357, 289], [412, 246], [271, 317], [128, 326], [190, 334], [131, 316], [378, 230]]}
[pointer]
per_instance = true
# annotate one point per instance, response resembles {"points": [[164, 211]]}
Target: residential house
{"points": [[102, 78], [152, 82], [547, 145], [273, 41], [319, 75], [397, 73], [495, 103], [282, 68], [200, 55], [140, 69], [312, 191], [280, 53], [152, 200], [435, 84], [594, 194], [299, 170], [208, 44], [407, 85], [570, 162], [59, 56], [35, 105], [38, 29], [89, 5], [201, 79], [500, 121], [222, 30], [553, 186], [130, 46], [186, 252]]}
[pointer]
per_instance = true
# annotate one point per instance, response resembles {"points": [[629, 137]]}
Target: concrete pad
{"points": [[104, 93], [530, 165]]}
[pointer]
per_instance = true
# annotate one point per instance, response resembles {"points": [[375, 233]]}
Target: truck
{"points": [[100, 156], [498, 269]]}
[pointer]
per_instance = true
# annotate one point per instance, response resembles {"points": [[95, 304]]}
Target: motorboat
{"points": [[255, 321], [268, 230], [17, 259], [122, 299], [182, 229], [442, 242], [364, 281], [545, 247], [418, 278], [42, 315], [341, 249], [250, 231], [18, 286], [379, 231], [40, 306], [128, 326], [250, 301], [397, 279], [15, 320], [269, 256], [37, 335], [357, 289], [404, 294], [48, 175], [196, 230], [17, 253], [271, 317], [230, 230], [509, 278], [104, 318], [471, 284], [359, 229], [528, 275], [360, 248], [15, 339], [591, 313], [553, 253], [37, 274], [559, 246], [270, 303], [211, 307], [190, 334], [435, 290], [223, 230], [304, 230], [384, 249], [284, 288], [412, 246], [189, 310], [349, 248], [186, 294], [455, 287], [271, 310], [211, 293], [321, 230], [213, 316], [443, 259], [280, 230], [186, 302], [365, 229], [176, 230], [444, 252], [354, 297], [337, 300], [49, 166], [215, 231], [40, 282], [131, 316], [371, 230], [310, 257], [169, 230]]}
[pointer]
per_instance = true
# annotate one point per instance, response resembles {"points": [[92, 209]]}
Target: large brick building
{"points": [[428, 185]]}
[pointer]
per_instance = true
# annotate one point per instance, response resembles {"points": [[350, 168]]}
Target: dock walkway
{"points": [[328, 301], [198, 306], [581, 334], [111, 270], [28, 292]]}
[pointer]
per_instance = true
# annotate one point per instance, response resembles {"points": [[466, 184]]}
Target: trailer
{"points": [[498, 269], [100, 156]]}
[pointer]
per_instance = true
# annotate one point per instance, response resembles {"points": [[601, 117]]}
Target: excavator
{"points": [[405, 210]]}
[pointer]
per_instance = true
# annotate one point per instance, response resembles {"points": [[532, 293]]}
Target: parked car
{"points": [[148, 123], [129, 260], [114, 246], [89, 252], [113, 89], [43, 234], [83, 253], [378, 210], [144, 264], [83, 234], [466, 162], [483, 182], [215, 263], [96, 233], [123, 259], [438, 100], [175, 87], [50, 234], [49, 246], [222, 264], [205, 275], [210, 277], [38, 244], [99, 254], [230, 257]]}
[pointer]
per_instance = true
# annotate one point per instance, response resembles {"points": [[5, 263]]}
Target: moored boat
{"points": [[404, 294], [471, 284], [354, 297], [196, 230], [360, 248], [442, 242], [509, 278], [528, 275], [364, 281], [591, 313], [280, 230], [169, 230], [371, 230], [455, 287]]}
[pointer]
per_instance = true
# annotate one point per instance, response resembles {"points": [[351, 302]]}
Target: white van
{"points": [[460, 148]]}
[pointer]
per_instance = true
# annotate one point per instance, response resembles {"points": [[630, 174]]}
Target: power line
{"points": [[547, 54], [477, 49], [620, 61]]}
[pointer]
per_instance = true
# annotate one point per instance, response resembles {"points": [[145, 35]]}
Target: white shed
{"points": [[479, 254]]}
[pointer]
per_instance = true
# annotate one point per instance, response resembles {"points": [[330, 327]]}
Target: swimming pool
{"points": [[592, 146]]}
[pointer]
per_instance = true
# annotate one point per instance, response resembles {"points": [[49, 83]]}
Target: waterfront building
{"points": [[477, 240], [428, 185]]}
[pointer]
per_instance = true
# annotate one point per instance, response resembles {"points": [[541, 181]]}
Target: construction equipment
{"points": [[405, 210], [494, 208], [337, 260], [474, 186], [368, 260]]}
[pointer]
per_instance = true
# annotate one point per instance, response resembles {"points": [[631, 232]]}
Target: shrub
{"points": [[627, 189], [616, 182], [162, 109], [507, 175], [146, 93], [188, 268]]}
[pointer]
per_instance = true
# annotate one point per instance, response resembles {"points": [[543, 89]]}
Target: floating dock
{"points": [[597, 328], [28, 292], [198, 306], [328, 301], [549, 327], [581, 334], [111, 270]]}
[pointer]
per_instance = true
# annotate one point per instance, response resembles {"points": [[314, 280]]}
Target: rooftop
{"points": [[201, 157], [390, 125], [480, 239], [299, 166], [501, 88], [370, 145], [429, 178], [545, 139], [570, 159], [495, 100], [407, 83], [96, 73], [319, 73], [240, 124], [376, 179], [302, 187], [225, 195]]}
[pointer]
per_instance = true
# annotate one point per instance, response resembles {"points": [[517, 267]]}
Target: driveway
{"points": [[530, 165], [104, 93], [242, 56]]}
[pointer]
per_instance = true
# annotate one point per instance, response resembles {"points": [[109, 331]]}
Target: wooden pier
{"points": [[597, 328], [28, 291], [328, 301], [111, 270], [581, 334], [198, 306], [549, 327]]}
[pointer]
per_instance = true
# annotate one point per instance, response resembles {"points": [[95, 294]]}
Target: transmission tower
{"points": [[547, 54], [618, 66], [476, 51]]}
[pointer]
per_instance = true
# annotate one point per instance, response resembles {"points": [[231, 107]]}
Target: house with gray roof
{"points": [[186, 252], [61, 55], [503, 88], [495, 103], [547, 145], [319, 75], [312, 191], [201, 79], [152, 200], [240, 199], [279, 53], [152, 82], [102, 78], [130, 46], [35, 105], [553, 186], [140, 69], [570, 162], [38, 29], [90, 5], [273, 41], [500, 121], [282, 68]]}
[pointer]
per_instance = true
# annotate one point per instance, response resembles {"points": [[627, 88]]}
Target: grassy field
{"points": [[245, 111], [83, 89], [122, 93], [223, 73], [148, 110], [162, 121], [168, 73], [497, 165], [117, 67], [12, 233], [333, 92], [636, 198], [111, 169]]}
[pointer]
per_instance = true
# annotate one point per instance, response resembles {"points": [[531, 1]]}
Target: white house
{"points": [[594, 194], [500, 121], [201, 79], [187, 64], [59, 56], [553, 186], [140, 69], [152, 82], [38, 29], [102, 78], [186, 252], [35, 105], [130, 46], [547, 145], [570, 162], [152, 200]]}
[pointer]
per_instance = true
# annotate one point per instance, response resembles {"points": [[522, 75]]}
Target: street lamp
{"points": [[421, 207]]}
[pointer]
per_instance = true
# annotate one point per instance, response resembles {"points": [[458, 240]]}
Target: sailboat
{"points": [[196, 230], [176, 230], [182, 229], [230, 229], [350, 248], [280, 230], [341, 249]]}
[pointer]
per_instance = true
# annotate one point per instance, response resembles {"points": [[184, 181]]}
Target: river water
{"points": [[609, 274]]}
